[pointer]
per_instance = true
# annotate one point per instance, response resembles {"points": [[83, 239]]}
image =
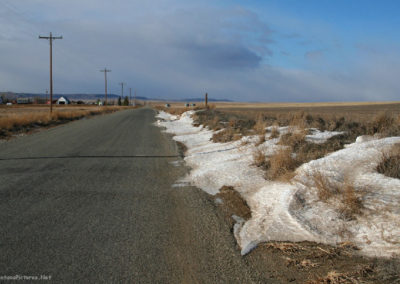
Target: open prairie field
{"points": [[18, 119], [363, 109], [36, 109]]}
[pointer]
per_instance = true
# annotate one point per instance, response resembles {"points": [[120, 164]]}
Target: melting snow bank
{"points": [[292, 211]]}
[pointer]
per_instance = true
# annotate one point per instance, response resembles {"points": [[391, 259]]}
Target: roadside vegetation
{"points": [[231, 126], [279, 144], [295, 150], [390, 163], [17, 120]]}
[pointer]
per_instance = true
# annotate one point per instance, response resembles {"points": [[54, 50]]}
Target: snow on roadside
{"points": [[319, 137], [292, 211]]}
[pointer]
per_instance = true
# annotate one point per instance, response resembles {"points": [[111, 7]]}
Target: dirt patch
{"points": [[306, 262], [232, 203], [309, 262], [181, 149]]}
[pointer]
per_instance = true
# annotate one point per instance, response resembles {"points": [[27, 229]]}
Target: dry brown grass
{"points": [[353, 119], [226, 135], [351, 200], [325, 188], [281, 166], [274, 132], [294, 138], [22, 119], [260, 130], [390, 162], [355, 276], [260, 126], [260, 159]]}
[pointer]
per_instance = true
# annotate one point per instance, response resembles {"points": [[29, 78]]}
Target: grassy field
{"points": [[235, 120], [363, 109], [18, 119]]}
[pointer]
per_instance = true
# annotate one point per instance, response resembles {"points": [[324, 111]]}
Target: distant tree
{"points": [[119, 101], [126, 101]]}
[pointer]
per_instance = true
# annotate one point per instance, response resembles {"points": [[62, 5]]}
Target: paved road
{"points": [[92, 201]]}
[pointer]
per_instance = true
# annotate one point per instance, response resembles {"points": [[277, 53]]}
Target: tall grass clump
{"points": [[390, 162], [279, 166], [347, 200], [260, 129]]}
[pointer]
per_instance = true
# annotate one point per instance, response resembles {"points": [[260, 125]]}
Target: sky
{"points": [[242, 50]]}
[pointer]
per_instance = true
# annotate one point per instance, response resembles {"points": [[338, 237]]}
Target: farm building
{"points": [[24, 101], [63, 101]]}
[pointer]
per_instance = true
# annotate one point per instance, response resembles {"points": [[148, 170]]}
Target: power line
{"points": [[105, 82], [51, 38]]}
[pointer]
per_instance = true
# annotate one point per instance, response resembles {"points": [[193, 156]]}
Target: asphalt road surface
{"points": [[92, 201]]}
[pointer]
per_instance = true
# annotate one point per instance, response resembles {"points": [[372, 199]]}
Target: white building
{"points": [[63, 101]]}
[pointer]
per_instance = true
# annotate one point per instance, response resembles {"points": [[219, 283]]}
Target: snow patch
{"points": [[320, 137], [292, 211]]}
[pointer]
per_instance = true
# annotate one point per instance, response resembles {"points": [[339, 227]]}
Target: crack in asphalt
{"points": [[90, 157]]}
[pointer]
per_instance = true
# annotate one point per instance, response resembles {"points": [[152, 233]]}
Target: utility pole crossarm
{"points": [[50, 37]]}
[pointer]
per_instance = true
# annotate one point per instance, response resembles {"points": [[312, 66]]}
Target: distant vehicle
{"points": [[193, 105], [187, 105], [167, 105], [9, 104]]}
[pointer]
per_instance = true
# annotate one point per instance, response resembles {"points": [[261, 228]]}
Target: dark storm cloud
{"points": [[221, 55]]}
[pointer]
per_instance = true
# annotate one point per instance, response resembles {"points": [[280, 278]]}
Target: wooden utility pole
{"points": [[105, 82], [51, 38], [122, 90], [206, 99], [135, 97], [130, 95]]}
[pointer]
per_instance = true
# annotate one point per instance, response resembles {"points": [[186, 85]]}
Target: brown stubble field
{"points": [[18, 119], [361, 109]]}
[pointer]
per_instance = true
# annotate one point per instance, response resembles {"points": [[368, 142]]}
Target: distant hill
{"points": [[73, 97], [94, 97]]}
